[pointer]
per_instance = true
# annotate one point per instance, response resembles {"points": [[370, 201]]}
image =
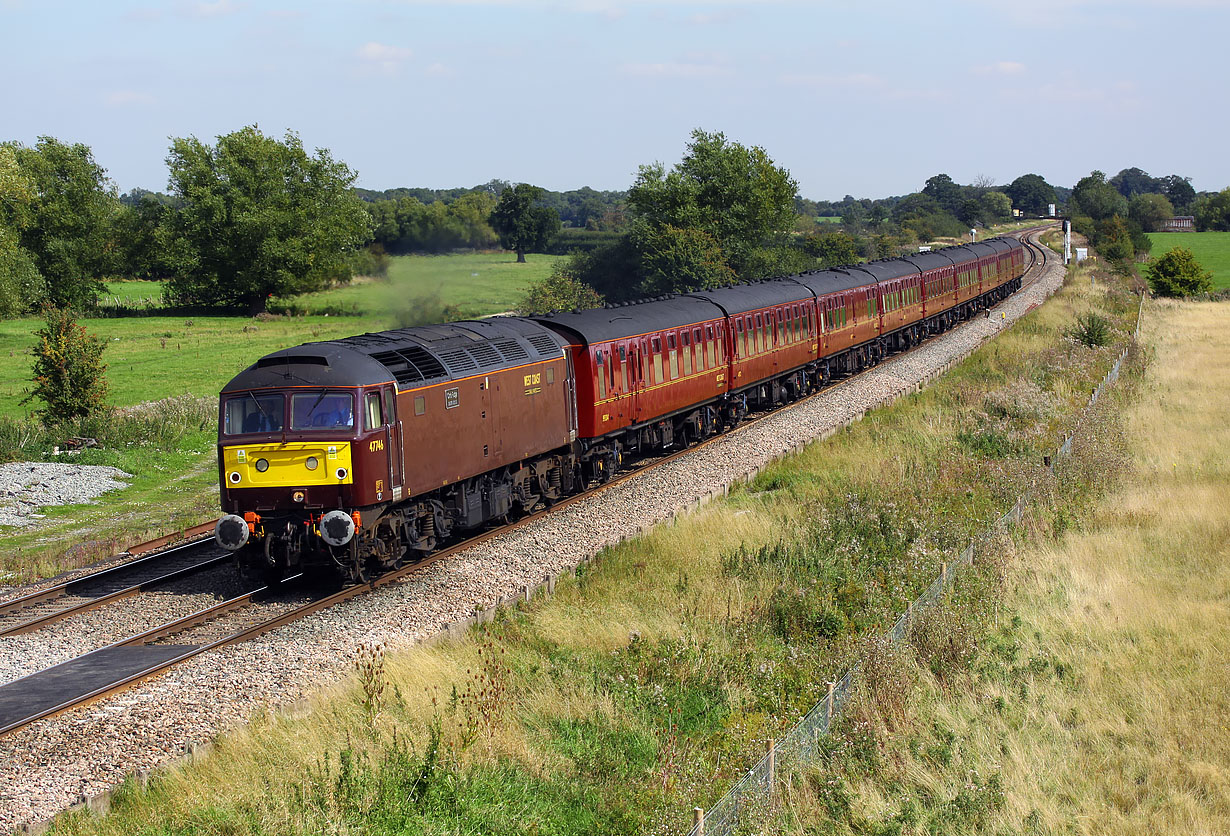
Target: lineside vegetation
{"points": [[1092, 701], [646, 686]]}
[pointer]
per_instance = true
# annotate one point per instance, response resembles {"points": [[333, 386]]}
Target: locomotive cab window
{"points": [[372, 412], [322, 411], [420, 404], [253, 414]]}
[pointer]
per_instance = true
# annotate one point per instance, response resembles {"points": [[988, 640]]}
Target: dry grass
{"points": [[1100, 702], [1142, 744]]}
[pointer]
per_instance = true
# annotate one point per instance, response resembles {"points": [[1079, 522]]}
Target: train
{"points": [[361, 454]]}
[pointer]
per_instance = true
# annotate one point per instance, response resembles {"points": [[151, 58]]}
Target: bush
{"points": [[68, 369], [1177, 273], [1090, 330]]}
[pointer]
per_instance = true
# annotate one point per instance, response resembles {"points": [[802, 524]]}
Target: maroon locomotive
{"points": [[366, 452]]}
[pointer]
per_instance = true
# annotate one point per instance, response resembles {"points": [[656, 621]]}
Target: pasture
{"points": [[153, 357], [1212, 249], [477, 284]]}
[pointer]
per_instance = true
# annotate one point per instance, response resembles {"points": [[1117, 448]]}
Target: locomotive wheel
{"points": [[356, 569]]}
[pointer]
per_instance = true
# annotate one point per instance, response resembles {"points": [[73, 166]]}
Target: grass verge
{"points": [[646, 686], [1094, 699], [167, 447]]}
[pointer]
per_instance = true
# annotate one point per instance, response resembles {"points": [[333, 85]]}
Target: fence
{"points": [[750, 799]]}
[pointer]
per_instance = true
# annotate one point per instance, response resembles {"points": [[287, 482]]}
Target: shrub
{"points": [[1092, 330], [1177, 273], [68, 369]]}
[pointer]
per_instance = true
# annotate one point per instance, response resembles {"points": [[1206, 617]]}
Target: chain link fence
{"points": [[750, 800]]}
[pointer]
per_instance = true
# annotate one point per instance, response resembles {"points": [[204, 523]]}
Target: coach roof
{"points": [[741, 298], [619, 321]]}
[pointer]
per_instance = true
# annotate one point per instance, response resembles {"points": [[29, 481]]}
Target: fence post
{"points": [[828, 707], [943, 576], [698, 821], [772, 754]]}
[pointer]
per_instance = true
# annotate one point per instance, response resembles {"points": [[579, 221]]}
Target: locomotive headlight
{"points": [[341, 473], [262, 465], [312, 463], [235, 477]]}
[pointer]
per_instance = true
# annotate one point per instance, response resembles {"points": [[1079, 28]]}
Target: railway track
{"points": [[35, 610], [134, 659]]}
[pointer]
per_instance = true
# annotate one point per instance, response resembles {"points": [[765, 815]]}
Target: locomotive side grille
{"points": [[545, 345], [512, 351]]}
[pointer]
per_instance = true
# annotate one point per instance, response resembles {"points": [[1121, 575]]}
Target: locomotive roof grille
{"points": [[512, 351], [545, 345], [410, 364]]}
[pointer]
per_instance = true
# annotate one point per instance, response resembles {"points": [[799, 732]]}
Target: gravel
{"points": [[25, 487], [48, 765]]}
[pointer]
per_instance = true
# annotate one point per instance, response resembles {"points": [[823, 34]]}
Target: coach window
{"points": [[623, 367], [672, 365], [657, 359], [371, 412], [601, 370], [710, 341], [686, 338], [740, 348]]}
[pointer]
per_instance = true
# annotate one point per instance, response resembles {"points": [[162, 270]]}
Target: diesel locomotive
{"points": [[364, 453]]}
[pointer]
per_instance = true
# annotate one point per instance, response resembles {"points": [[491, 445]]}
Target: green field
{"points": [[154, 357], [1212, 249], [129, 294], [478, 284]]}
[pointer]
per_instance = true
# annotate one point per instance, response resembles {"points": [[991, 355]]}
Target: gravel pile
{"points": [[26, 487], [46, 766]]}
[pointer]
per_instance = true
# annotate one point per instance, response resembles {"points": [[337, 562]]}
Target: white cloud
{"points": [[1001, 68], [674, 69], [126, 98], [218, 8], [439, 71], [383, 57], [834, 81]]}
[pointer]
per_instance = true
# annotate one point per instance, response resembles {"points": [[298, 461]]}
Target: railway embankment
{"points": [[654, 675]]}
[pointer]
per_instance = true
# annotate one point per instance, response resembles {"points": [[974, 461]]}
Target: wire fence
{"points": [[750, 800]]}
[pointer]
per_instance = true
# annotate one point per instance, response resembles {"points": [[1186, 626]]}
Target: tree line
{"points": [[253, 216]]}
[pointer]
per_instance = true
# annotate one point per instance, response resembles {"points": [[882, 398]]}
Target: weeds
{"points": [[373, 681]]}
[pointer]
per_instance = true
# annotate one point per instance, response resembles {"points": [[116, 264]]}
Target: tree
{"points": [[732, 192], [1031, 194], [1178, 190], [996, 206], [21, 285], [259, 218], [1096, 198], [68, 369], [560, 291], [1150, 211], [521, 224], [832, 249], [1177, 273], [680, 259], [946, 193], [1133, 181], [64, 227], [1213, 212]]}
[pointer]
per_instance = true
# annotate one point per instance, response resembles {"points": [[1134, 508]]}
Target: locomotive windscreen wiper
{"points": [[257, 401]]}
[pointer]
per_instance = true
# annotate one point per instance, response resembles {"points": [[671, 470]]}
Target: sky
{"points": [[868, 99]]}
